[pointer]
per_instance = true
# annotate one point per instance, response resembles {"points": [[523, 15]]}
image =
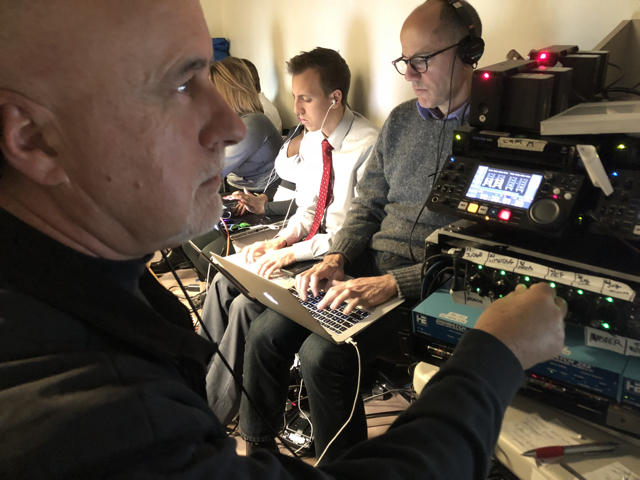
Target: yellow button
{"points": [[473, 207]]}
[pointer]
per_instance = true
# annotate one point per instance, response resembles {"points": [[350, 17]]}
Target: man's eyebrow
{"points": [[192, 65]]}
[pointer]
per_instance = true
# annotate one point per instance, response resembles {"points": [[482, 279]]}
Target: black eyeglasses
{"points": [[419, 63]]}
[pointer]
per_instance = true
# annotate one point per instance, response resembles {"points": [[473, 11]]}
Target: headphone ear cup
{"points": [[471, 50]]}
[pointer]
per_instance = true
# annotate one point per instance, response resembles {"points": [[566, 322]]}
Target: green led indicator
{"points": [[479, 267], [606, 326], [621, 146], [458, 137], [609, 299], [500, 296], [502, 272], [478, 290], [552, 285], [580, 292], [527, 279]]}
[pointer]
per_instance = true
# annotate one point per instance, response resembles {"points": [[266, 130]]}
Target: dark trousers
{"points": [[330, 371]]}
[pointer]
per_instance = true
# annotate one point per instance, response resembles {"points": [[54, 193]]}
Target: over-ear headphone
{"points": [[471, 47]]}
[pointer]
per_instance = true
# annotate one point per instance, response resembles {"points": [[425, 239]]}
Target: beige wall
{"points": [[366, 33]]}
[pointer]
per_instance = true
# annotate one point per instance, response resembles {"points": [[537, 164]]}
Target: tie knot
{"points": [[326, 146]]}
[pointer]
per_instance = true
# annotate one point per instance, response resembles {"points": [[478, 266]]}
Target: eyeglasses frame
{"points": [[423, 57]]}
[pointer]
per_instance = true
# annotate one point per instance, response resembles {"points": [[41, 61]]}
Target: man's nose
{"points": [[411, 75], [224, 128]]}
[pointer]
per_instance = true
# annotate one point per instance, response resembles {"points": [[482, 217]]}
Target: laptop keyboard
{"points": [[333, 320]]}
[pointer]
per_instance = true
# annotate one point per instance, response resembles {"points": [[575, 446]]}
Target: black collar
{"points": [[99, 292]]}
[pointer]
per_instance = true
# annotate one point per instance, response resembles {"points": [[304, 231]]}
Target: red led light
{"points": [[504, 215], [543, 56], [555, 197], [486, 75]]}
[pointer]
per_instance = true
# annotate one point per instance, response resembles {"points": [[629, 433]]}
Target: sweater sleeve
{"points": [[281, 208], [236, 155]]}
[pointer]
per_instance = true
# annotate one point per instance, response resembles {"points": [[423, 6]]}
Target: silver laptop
{"points": [[332, 325]]}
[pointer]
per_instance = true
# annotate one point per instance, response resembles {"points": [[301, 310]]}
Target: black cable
{"points": [[623, 90], [612, 233], [438, 155], [618, 79], [433, 283], [236, 380]]}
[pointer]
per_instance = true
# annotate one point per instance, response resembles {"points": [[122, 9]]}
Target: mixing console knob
{"points": [[545, 212], [628, 184], [548, 176], [445, 176]]}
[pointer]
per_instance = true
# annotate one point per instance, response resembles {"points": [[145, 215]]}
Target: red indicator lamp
{"points": [[543, 56], [555, 197], [486, 76], [504, 215]]}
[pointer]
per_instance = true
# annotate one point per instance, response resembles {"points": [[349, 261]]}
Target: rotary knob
{"points": [[545, 212]]}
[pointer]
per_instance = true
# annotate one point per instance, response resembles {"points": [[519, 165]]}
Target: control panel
{"points": [[619, 213], [599, 303], [536, 200]]}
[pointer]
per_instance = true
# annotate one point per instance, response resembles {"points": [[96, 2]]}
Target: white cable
{"points": [[325, 117], [206, 289], [273, 170], [306, 444], [355, 401]]}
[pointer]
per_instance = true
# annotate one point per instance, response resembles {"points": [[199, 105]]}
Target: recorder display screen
{"points": [[506, 187]]}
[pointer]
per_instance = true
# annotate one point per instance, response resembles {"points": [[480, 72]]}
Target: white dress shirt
{"points": [[352, 141], [271, 112]]}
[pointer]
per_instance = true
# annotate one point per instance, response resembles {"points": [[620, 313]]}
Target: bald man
{"points": [[112, 142]]}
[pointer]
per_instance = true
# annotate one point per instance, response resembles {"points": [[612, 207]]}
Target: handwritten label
{"points": [[618, 290], [501, 262], [560, 276], [633, 348], [456, 317], [587, 282], [476, 256], [604, 340], [522, 144], [531, 269]]}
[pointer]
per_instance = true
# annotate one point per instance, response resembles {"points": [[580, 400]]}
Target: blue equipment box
{"points": [[440, 317], [590, 368], [631, 382]]}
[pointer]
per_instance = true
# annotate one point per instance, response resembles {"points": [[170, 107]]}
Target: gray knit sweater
{"points": [[395, 185]]}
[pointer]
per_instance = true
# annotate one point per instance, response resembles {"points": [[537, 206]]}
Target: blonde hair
{"points": [[233, 80]]}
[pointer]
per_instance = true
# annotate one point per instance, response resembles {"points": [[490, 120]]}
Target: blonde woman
{"points": [[249, 164]]}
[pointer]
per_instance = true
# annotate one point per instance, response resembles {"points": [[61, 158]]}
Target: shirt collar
{"points": [[461, 114], [342, 130]]}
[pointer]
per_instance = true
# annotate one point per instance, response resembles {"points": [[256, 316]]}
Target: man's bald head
{"points": [[112, 133], [451, 23]]}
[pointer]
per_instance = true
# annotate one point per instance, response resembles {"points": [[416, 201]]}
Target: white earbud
{"points": [[333, 102]]}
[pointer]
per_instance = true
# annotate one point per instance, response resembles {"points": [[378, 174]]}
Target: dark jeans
{"points": [[330, 371]]}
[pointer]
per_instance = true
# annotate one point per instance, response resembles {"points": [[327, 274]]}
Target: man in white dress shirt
{"points": [[320, 86]]}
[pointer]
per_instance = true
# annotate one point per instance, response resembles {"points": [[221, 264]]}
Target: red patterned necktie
{"points": [[326, 189]]}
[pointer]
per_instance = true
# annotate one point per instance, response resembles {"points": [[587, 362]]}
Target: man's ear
{"points": [[22, 140], [337, 96]]}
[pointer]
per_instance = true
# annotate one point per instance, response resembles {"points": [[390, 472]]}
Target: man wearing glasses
{"points": [[381, 242]]}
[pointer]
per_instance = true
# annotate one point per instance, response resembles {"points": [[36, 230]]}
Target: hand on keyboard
{"points": [[367, 291]]}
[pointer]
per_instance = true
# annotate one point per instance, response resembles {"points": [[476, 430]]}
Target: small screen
{"points": [[497, 185]]}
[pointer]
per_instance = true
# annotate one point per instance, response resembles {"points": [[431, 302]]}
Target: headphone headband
{"points": [[472, 46]]}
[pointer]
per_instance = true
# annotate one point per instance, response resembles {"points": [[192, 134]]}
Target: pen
{"points": [[559, 451]]}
